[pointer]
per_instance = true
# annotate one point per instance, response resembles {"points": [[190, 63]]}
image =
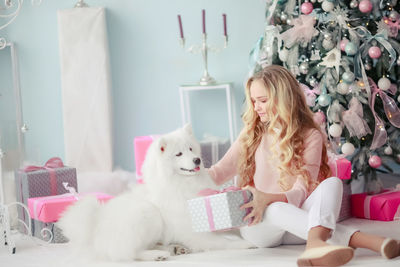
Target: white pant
{"points": [[286, 224]]}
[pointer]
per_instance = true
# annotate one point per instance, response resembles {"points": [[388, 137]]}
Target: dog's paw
{"points": [[153, 255], [179, 250], [161, 258]]}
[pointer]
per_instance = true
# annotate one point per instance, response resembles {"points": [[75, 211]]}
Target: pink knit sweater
{"points": [[266, 175]]}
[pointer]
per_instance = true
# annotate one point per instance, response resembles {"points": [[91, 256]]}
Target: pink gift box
{"points": [[141, 144], [50, 208], [382, 207], [340, 168]]}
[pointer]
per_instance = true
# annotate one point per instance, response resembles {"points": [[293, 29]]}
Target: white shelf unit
{"points": [[184, 91]]}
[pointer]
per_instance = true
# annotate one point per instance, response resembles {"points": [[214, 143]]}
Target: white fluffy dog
{"points": [[151, 221]]}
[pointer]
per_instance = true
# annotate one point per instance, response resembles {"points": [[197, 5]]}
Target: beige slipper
{"points": [[390, 248], [326, 256]]}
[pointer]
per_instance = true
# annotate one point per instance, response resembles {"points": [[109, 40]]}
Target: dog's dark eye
{"points": [[190, 148], [179, 154]]}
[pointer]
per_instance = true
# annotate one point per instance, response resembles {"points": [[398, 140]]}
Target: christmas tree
{"points": [[345, 54]]}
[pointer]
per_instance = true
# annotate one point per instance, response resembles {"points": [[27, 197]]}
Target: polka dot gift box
{"points": [[219, 210]]}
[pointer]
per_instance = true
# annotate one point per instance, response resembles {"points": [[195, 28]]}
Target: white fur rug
{"points": [[33, 253]]}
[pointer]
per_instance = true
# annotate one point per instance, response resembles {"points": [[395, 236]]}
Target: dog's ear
{"points": [[162, 143], [188, 128]]}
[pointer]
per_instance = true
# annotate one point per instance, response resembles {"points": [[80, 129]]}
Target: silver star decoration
{"points": [[332, 59]]}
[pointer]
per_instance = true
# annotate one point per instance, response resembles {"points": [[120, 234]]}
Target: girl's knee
{"points": [[332, 183], [275, 208]]}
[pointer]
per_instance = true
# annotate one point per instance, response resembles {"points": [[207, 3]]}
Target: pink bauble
{"points": [[374, 52], [307, 8], [319, 117], [343, 44], [375, 161], [365, 6]]}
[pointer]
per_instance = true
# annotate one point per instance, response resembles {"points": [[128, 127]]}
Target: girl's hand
{"points": [[259, 203]]}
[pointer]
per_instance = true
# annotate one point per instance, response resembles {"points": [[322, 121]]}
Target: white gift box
{"points": [[219, 211]]}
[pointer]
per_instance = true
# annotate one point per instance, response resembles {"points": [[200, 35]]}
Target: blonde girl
{"points": [[280, 156]]}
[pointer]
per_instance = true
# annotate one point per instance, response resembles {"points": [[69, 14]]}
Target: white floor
{"points": [[32, 253]]}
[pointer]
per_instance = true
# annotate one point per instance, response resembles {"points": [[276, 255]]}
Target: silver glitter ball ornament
{"points": [[327, 44], [354, 4]]}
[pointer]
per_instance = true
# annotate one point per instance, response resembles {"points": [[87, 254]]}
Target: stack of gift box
{"points": [[47, 191]]}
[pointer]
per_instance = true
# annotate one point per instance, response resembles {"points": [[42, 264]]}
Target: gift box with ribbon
{"points": [[38, 181], [45, 211], [141, 144], [382, 207], [213, 149], [341, 168], [219, 210], [50, 208]]}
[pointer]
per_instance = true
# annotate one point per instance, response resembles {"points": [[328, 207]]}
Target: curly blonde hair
{"points": [[288, 111]]}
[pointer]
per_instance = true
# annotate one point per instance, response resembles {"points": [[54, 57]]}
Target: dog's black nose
{"points": [[197, 161]]}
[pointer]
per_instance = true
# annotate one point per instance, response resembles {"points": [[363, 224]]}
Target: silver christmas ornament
{"points": [[313, 1], [388, 150], [313, 82], [348, 77], [303, 68], [367, 66], [353, 4], [289, 21], [327, 6], [324, 100], [348, 149], [327, 44], [398, 62], [393, 15], [343, 88]]}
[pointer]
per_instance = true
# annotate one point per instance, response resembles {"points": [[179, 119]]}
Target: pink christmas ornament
{"points": [[343, 44], [307, 8], [365, 6], [374, 52], [375, 161]]}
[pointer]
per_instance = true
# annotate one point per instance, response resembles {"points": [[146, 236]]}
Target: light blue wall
{"points": [[147, 65]]}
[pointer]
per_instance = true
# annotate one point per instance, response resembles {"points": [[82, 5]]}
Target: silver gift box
{"points": [[219, 212]]}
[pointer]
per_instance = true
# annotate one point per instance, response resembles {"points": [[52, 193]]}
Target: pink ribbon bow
{"points": [[52, 163], [310, 94], [391, 110], [209, 191], [50, 166], [353, 119]]}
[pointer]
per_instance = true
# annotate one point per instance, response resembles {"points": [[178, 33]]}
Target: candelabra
{"points": [[204, 48]]}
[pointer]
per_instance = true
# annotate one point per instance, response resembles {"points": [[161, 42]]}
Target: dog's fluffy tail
{"points": [[78, 221]]}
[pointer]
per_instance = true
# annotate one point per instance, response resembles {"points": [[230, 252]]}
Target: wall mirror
{"points": [[11, 126]]}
